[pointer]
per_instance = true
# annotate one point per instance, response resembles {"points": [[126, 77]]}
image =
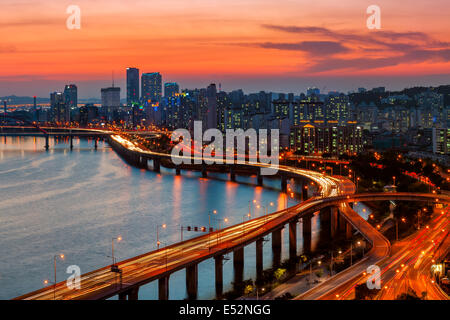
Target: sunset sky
{"points": [[276, 45]]}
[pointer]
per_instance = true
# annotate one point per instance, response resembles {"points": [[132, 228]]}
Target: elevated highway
{"points": [[160, 264]]}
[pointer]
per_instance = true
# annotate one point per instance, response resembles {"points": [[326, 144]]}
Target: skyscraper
{"points": [[110, 101], [170, 89], [71, 99], [211, 113], [58, 108], [151, 84], [132, 86]]}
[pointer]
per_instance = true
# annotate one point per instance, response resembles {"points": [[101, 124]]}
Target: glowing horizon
{"points": [[197, 42]]}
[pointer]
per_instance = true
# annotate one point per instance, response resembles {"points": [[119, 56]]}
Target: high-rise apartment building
{"points": [[110, 101], [170, 89], [132, 86], [151, 85]]}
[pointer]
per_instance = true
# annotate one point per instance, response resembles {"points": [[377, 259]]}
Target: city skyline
{"points": [[286, 47]]}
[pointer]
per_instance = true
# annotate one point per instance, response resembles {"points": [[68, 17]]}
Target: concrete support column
{"points": [[334, 221], [47, 145], [177, 171], [307, 234], [260, 178], [71, 142], [342, 223], [232, 174], [293, 241], [133, 293], [204, 172], [144, 163], [259, 260], [163, 288], [305, 192], [95, 143], [219, 276], [283, 183], [348, 231], [156, 165], [276, 248], [238, 264], [192, 281], [123, 296]]}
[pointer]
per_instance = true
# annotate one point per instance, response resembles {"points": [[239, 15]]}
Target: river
{"points": [[75, 202]]}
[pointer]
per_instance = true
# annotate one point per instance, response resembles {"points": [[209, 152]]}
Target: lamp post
{"points": [[225, 220], [209, 227], [359, 244], [61, 256], [310, 271], [157, 233], [119, 238], [243, 222], [257, 294]]}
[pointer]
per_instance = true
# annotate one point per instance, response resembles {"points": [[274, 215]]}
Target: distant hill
{"points": [[15, 100], [23, 100]]}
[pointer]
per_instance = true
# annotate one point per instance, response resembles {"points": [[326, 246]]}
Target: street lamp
{"points": [[119, 238], [209, 216], [257, 294], [61, 256], [243, 221], [359, 243], [310, 270], [225, 220], [157, 233]]}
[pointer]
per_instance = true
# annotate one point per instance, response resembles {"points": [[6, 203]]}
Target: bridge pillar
{"points": [[283, 183], [163, 288], [192, 281], [219, 275], [204, 172], [259, 178], [156, 165], [276, 248], [71, 142], [293, 242], [348, 231], [144, 163], [95, 143], [325, 223], [259, 260], [123, 296], [133, 293], [305, 192], [232, 174], [238, 265], [177, 171], [47, 145], [342, 223], [334, 221], [306, 220]]}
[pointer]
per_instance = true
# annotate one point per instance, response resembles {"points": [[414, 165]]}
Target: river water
{"points": [[75, 202]]}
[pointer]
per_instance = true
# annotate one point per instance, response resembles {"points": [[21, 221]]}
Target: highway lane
{"points": [[402, 267], [332, 287], [411, 268]]}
